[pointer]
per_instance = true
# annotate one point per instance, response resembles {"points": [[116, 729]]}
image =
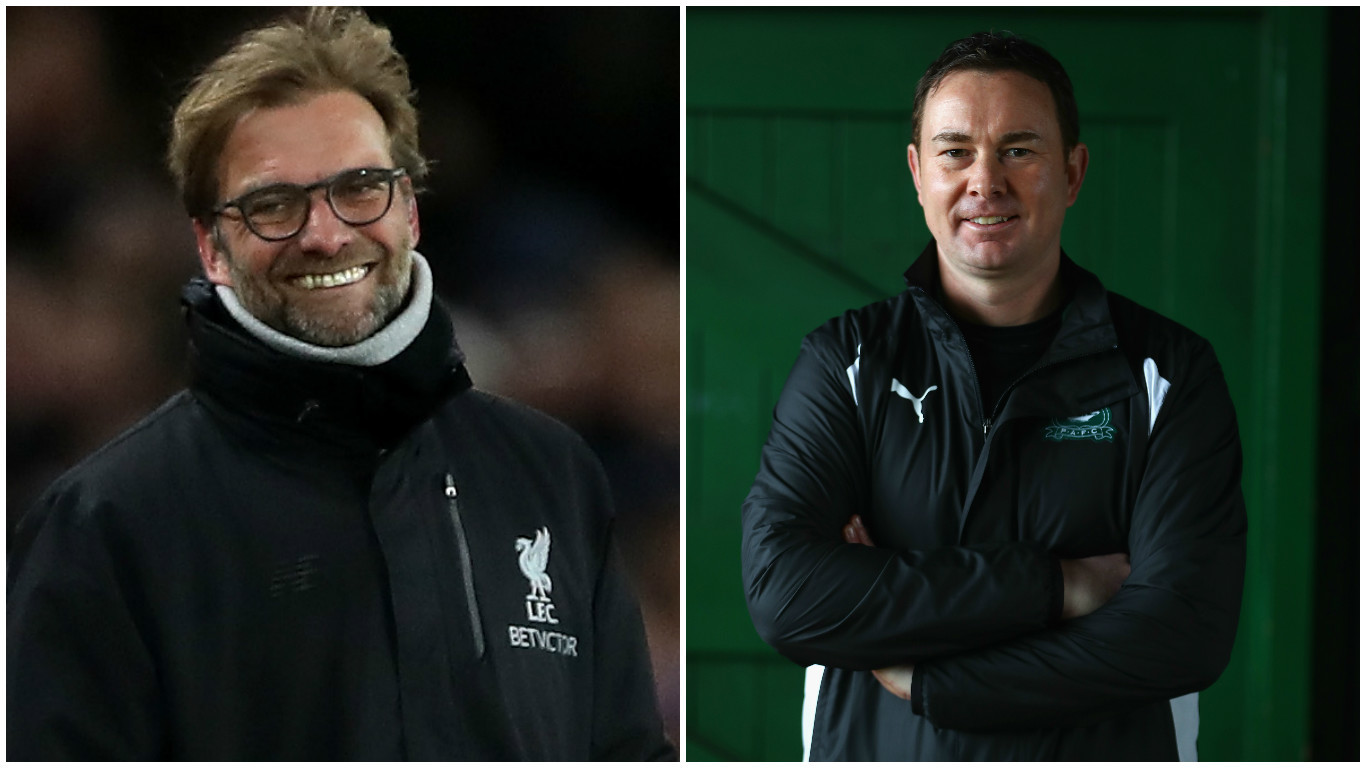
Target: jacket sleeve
{"points": [[819, 600], [80, 681], [1168, 631], [626, 720]]}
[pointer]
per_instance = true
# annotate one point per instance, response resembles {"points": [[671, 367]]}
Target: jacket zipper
{"points": [[986, 415], [466, 568], [989, 415], [1031, 372]]}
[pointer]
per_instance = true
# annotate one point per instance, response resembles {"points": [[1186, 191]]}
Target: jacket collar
{"points": [[380, 347], [1087, 345], [1086, 324], [352, 406]]}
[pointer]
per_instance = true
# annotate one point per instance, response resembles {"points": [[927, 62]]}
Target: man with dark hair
{"points": [[1001, 508], [330, 546]]}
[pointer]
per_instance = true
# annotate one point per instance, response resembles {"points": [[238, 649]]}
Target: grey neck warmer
{"points": [[379, 348]]}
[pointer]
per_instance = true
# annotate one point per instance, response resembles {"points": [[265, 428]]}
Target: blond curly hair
{"points": [[321, 50]]}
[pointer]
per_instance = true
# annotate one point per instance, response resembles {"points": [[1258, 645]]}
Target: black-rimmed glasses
{"points": [[358, 196]]}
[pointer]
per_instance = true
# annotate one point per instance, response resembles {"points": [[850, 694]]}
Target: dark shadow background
{"points": [[551, 223], [1335, 733]]}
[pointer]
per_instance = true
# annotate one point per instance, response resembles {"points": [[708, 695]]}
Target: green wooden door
{"points": [[799, 206]]}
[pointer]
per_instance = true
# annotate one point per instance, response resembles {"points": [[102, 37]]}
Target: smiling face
{"points": [[992, 176], [333, 284]]}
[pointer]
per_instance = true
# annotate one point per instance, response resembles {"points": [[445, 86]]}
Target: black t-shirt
{"points": [[1001, 354]]}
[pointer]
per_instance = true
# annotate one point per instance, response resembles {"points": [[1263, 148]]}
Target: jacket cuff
{"points": [[1055, 606], [918, 690]]}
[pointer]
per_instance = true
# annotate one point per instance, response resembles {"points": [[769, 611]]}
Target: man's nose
{"points": [[323, 232], [988, 177]]}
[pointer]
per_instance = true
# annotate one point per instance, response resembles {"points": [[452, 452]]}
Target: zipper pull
{"points": [[986, 425], [466, 568]]}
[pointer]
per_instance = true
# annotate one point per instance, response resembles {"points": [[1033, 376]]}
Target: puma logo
{"points": [[900, 389]]}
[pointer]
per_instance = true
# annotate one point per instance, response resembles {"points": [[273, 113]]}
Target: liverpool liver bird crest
{"points": [[531, 558]]}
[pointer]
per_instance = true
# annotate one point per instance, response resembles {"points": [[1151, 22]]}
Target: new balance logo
{"points": [[298, 576], [898, 388]]}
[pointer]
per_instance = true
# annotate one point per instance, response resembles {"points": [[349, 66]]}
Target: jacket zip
{"points": [[986, 416], [989, 415], [466, 568], [1033, 371]]}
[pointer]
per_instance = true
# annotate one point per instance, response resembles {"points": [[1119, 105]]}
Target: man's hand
{"points": [[897, 680], [1088, 583], [855, 533]]}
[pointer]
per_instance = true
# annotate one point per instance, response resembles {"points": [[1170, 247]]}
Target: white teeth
{"points": [[345, 277], [989, 219]]}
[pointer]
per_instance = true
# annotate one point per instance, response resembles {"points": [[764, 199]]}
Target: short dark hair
{"points": [[996, 52]]}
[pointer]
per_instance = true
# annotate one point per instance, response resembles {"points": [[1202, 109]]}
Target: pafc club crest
{"points": [[1092, 426]]}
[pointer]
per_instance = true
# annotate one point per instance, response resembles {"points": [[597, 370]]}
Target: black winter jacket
{"points": [[1122, 438], [300, 561]]}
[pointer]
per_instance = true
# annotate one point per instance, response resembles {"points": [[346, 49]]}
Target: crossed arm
{"points": [[1088, 583]]}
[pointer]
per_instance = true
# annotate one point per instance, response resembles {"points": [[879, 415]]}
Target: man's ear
{"points": [[214, 260], [414, 226], [410, 198], [913, 160], [1077, 161]]}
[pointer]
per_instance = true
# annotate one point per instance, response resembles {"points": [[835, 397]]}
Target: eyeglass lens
{"points": [[357, 197]]}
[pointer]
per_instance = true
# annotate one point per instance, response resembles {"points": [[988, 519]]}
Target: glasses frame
{"points": [[392, 175]]}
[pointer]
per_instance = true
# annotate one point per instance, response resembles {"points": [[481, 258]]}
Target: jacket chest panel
{"points": [[1060, 481], [297, 549], [265, 598], [533, 585], [919, 482], [923, 424]]}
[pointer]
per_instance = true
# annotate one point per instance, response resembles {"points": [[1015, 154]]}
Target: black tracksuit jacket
{"points": [[300, 561], [1122, 438]]}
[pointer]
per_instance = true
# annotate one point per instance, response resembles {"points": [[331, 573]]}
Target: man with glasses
{"points": [[329, 546]]}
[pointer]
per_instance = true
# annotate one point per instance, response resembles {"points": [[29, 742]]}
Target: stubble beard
{"points": [[393, 278]]}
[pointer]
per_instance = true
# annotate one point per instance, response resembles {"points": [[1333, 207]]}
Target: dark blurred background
{"points": [[551, 223]]}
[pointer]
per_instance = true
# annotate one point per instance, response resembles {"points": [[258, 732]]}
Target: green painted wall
{"points": [[1202, 201]]}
